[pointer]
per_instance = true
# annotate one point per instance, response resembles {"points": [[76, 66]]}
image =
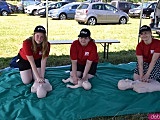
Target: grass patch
{"points": [[17, 27]]}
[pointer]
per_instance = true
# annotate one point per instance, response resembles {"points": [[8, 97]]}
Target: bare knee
{"points": [[26, 76], [26, 81]]}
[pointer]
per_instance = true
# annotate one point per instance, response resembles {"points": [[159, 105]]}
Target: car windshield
{"points": [[111, 8], [39, 4], [52, 4], [145, 5], [64, 6], [27, 0], [83, 6]]}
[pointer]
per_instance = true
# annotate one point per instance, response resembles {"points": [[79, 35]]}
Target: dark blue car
{"points": [[4, 9]]}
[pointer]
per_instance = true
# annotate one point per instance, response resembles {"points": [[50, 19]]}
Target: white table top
{"points": [[70, 41]]}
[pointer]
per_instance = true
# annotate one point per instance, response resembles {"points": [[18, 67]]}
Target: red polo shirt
{"points": [[84, 53], [147, 50], [27, 50]]}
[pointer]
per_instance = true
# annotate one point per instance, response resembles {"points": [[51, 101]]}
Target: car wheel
{"points": [[34, 12], [62, 16], [92, 21], [122, 20], [4, 13], [12, 10], [144, 16]]}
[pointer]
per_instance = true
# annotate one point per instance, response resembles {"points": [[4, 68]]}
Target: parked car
{"points": [[69, 0], [13, 8], [24, 3], [99, 12], [65, 12], [152, 15], [155, 19], [53, 5], [123, 5], [148, 8], [4, 8], [32, 9]]}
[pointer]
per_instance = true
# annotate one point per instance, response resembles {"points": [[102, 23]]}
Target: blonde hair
{"points": [[44, 45]]}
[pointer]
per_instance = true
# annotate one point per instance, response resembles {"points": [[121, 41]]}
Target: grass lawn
{"points": [[17, 27]]}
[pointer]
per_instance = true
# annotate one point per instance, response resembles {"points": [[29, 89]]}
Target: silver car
{"points": [[99, 12], [65, 12]]}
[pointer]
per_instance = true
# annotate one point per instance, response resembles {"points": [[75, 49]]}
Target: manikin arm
{"points": [[71, 80], [75, 86], [86, 85]]}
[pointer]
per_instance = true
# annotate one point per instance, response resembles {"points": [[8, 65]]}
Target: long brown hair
{"points": [[44, 45]]}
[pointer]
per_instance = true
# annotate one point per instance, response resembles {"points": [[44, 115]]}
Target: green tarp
{"points": [[104, 99]]}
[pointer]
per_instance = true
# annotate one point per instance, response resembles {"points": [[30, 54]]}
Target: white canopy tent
{"points": [[157, 15], [47, 16], [140, 23]]}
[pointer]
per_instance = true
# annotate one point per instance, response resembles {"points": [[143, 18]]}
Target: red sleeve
{"points": [[73, 51], [27, 47], [157, 48], [139, 49]]}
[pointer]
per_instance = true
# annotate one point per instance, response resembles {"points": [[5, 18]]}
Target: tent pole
{"points": [[47, 16], [140, 19]]}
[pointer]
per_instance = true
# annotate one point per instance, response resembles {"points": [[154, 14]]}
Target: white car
{"points": [[24, 3], [32, 9], [152, 15]]}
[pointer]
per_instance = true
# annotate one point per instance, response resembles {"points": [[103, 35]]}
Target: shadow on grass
{"points": [[53, 60], [12, 14], [113, 57], [106, 24]]}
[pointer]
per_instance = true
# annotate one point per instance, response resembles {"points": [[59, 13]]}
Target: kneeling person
{"points": [[84, 57]]}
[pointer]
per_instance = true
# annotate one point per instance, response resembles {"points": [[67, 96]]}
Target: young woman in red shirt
{"points": [[148, 56], [84, 57], [33, 55]]}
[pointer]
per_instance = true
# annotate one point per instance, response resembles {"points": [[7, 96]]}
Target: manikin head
{"points": [[86, 85], [125, 84]]}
